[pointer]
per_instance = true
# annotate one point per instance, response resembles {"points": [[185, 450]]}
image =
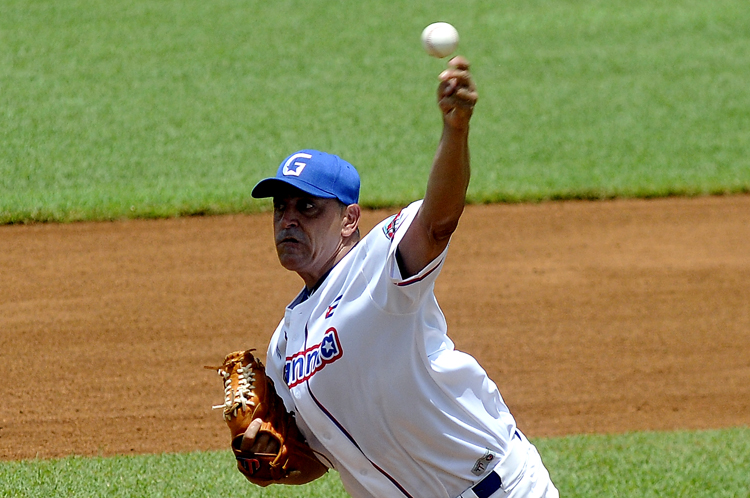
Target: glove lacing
{"points": [[239, 398]]}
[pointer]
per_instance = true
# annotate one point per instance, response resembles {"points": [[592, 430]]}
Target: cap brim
{"points": [[271, 186]]}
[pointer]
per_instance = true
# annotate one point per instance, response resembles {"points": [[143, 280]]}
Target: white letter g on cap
{"points": [[292, 167]]}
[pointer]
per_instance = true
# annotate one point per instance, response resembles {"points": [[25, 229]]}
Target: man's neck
{"points": [[313, 280]]}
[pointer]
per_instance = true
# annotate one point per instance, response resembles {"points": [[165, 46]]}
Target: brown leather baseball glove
{"points": [[283, 457]]}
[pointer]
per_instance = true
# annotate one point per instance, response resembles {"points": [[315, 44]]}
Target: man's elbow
{"points": [[442, 230]]}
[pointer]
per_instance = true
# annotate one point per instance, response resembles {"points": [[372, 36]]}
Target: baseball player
{"points": [[362, 357]]}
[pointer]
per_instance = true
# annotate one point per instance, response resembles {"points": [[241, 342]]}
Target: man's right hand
{"points": [[307, 466], [457, 93]]}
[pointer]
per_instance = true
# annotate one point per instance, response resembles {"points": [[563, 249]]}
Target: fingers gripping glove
{"points": [[248, 395]]}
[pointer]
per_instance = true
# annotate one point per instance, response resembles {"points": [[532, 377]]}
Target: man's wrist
{"points": [[454, 128]]}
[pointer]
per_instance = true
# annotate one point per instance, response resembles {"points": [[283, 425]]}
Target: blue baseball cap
{"points": [[316, 173]]}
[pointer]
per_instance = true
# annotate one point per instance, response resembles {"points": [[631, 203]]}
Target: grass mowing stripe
{"points": [[626, 99], [204, 474], [712, 463], [150, 108], [651, 464]]}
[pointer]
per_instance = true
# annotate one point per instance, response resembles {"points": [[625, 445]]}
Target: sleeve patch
{"points": [[390, 228]]}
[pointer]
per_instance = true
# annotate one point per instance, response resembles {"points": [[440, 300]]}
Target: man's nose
{"points": [[289, 218]]}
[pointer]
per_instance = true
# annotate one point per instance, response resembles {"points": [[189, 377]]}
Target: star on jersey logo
{"points": [[328, 347], [293, 167]]}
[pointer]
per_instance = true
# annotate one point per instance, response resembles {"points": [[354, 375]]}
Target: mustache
{"points": [[290, 235]]}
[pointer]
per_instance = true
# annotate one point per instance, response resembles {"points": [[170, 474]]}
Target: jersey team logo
{"points": [[303, 365], [333, 306], [392, 226]]}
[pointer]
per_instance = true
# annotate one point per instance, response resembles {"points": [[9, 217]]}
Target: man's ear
{"points": [[350, 221]]}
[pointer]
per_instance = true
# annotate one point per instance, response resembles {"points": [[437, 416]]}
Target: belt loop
{"points": [[468, 494]]}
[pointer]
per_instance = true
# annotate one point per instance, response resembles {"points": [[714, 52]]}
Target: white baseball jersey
{"points": [[376, 384]]}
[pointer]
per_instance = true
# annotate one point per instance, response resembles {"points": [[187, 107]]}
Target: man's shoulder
{"points": [[389, 226]]}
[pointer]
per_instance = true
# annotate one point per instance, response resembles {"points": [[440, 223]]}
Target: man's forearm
{"points": [[448, 181]]}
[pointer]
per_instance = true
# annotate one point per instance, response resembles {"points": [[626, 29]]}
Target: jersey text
{"points": [[303, 365]]}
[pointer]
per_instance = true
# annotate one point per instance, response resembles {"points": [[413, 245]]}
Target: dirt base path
{"points": [[591, 317]]}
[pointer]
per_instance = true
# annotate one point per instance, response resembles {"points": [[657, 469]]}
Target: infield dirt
{"points": [[607, 316]]}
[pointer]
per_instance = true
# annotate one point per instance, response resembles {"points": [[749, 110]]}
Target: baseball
{"points": [[440, 39]]}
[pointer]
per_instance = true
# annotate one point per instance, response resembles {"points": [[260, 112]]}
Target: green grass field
{"points": [[639, 465], [114, 109], [144, 108]]}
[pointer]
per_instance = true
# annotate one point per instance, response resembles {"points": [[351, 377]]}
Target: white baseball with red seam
{"points": [[440, 39]]}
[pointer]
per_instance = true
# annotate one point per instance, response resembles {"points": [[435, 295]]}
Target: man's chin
{"points": [[291, 261]]}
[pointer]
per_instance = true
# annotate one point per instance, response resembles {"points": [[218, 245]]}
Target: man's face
{"points": [[307, 231]]}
